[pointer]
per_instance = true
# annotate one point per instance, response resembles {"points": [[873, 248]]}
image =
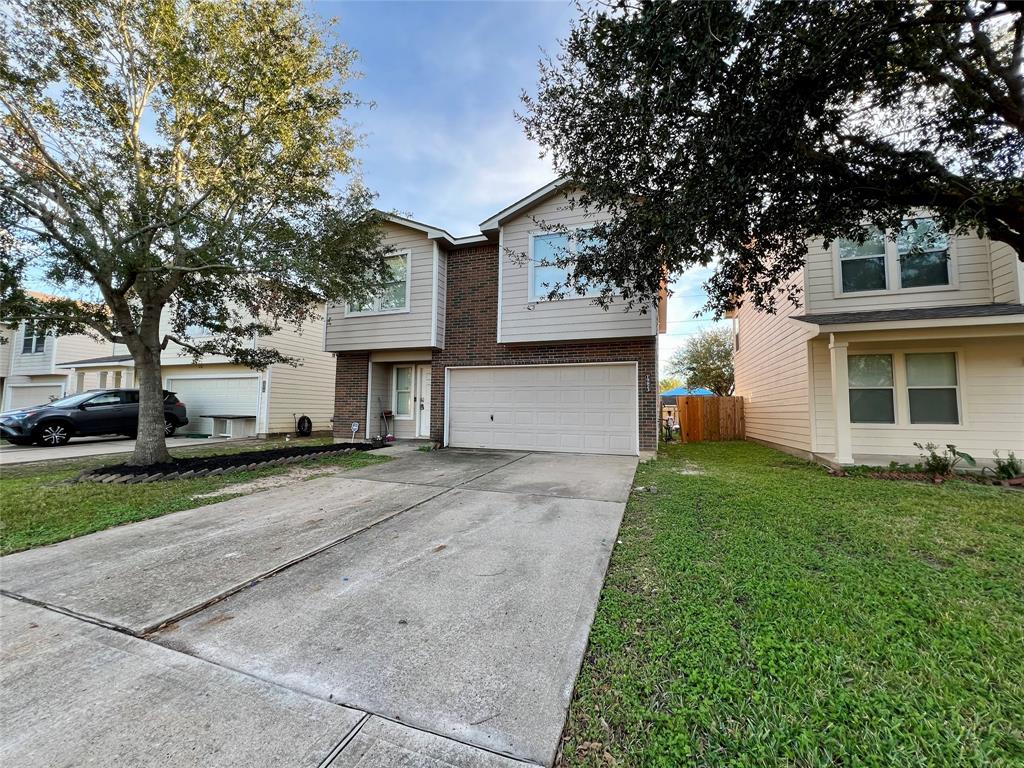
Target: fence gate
{"points": [[710, 418]]}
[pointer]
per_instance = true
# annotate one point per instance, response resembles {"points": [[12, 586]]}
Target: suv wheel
{"points": [[53, 434], [169, 427]]}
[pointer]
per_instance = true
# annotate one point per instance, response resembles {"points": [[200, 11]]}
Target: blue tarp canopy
{"points": [[684, 392]]}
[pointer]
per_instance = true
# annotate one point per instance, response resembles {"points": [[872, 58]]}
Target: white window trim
{"points": [[893, 274], [902, 395], [394, 392], [531, 264], [35, 336], [891, 388], [406, 253]]}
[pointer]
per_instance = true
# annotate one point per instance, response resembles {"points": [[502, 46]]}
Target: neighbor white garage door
{"points": [[571, 408], [25, 395], [234, 396]]}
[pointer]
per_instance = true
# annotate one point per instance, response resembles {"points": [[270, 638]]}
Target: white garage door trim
{"points": [[9, 387], [261, 427], [636, 392]]}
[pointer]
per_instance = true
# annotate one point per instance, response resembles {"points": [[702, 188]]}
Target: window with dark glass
{"points": [[933, 388], [862, 265], [32, 341], [872, 398], [923, 251]]}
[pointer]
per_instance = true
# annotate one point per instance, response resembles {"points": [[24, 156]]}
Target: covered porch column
{"points": [[841, 399]]}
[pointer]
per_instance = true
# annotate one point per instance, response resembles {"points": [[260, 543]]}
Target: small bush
{"points": [[942, 464], [1009, 467]]}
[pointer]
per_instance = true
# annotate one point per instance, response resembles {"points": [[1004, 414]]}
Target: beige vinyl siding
{"points": [[81, 347], [1006, 274], [304, 390], [391, 330], [35, 363], [570, 318], [772, 374], [5, 353], [442, 291], [991, 401], [972, 262], [821, 387]]}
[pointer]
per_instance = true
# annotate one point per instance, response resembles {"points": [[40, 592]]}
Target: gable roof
{"points": [[520, 206], [919, 313], [432, 232]]}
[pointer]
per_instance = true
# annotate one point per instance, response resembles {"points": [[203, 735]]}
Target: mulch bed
{"points": [[207, 466]]}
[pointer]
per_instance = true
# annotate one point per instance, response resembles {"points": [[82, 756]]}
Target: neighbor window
{"points": [[32, 341], [923, 251], [933, 388], [403, 391], [395, 293], [871, 389], [548, 249], [863, 264]]}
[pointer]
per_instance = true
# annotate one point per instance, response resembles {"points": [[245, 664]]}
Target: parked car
{"points": [[96, 412]]}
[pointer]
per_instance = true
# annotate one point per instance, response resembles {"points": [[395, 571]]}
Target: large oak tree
{"points": [[177, 163], [734, 131]]}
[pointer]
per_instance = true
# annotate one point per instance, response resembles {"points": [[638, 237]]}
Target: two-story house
{"points": [[463, 347], [36, 368], [913, 336]]}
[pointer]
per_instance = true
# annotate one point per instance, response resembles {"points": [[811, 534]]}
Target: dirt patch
{"points": [[297, 474]]}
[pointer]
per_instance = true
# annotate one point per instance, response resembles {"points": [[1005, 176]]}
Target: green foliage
{"points": [[178, 155], [706, 361], [669, 382], [765, 613], [1009, 467], [738, 130], [942, 464], [38, 511]]}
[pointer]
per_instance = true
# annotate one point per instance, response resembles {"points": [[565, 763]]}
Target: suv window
{"points": [[131, 395], [107, 398]]}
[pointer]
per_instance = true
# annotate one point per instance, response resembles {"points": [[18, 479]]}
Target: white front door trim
{"points": [[423, 400]]}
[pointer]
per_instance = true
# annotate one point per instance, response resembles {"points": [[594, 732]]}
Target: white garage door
{"points": [[571, 408], [36, 394], [222, 396]]}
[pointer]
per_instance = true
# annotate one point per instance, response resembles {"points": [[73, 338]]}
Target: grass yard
{"points": [[765, 613], [35, 510]]}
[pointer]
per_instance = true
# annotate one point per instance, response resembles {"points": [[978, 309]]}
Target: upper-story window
{"points": [[395, 294], [546, 250], [918, 256], [923, 252], [32, 341]]}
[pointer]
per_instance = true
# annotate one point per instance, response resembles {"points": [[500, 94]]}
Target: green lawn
{"points": [[764, 613], [36, 510]]}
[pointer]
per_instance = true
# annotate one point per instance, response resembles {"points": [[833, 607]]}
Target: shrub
{"points": [[1009, 467], [942, 464]]}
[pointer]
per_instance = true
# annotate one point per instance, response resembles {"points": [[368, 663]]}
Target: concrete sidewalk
{"points": [[445, 598], [82, 447]]}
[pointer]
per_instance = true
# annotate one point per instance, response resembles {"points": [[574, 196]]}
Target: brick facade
{"points": [[350, 383], [471, 333]]}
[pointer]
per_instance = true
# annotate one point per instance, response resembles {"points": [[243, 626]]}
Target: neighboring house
{"points": [[463, 349], [39, 368], [667, 400], [914, 339]]}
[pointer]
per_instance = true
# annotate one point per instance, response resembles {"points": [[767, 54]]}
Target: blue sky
{"points": [[442, 143]]}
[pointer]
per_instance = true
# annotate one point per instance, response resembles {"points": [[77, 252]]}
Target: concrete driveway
{"points": [[429, 611], [80, 447]]}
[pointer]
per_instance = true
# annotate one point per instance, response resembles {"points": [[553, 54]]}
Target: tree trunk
{"points": [[150, 443]]}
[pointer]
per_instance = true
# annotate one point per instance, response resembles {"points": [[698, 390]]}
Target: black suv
{"points": [[96, 412]]}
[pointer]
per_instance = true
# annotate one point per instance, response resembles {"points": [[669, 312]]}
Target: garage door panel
{"points": [[25, 396], [218, 395], [552, 408]]}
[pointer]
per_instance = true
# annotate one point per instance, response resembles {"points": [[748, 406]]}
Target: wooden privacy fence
{"points": [[709, 418]]}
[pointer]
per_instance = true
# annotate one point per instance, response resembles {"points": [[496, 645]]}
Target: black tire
{"points": [[304, 426], [52, 434], [169, 427]]}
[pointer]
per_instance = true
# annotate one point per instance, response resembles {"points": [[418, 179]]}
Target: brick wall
{"points": [[470, 339], [350, 393]]}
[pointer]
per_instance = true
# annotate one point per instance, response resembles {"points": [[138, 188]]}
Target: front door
{"points": [[423, 401]]}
